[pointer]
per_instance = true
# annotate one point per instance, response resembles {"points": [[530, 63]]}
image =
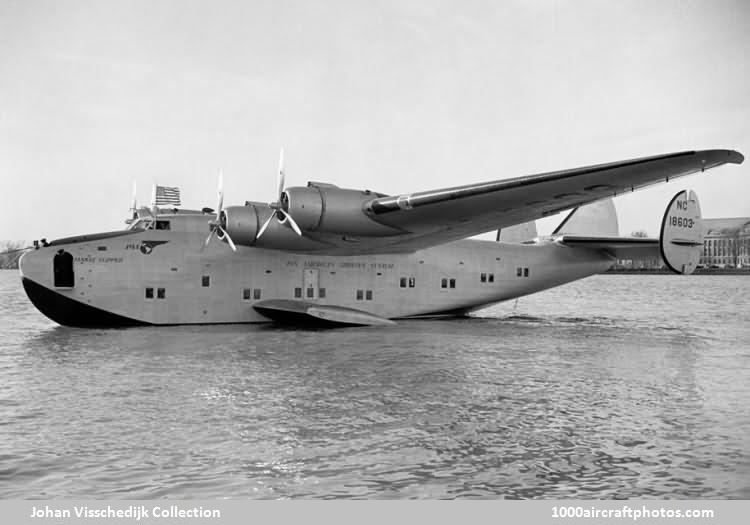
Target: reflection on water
{"points": [[607, 388]]}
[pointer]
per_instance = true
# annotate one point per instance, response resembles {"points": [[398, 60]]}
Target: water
{"points": [[612, 387]]}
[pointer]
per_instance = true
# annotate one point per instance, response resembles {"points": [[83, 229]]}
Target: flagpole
{"points": [[154, 209]]}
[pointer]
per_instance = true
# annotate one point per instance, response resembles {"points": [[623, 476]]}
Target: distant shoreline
{"points": [[699, 271]]}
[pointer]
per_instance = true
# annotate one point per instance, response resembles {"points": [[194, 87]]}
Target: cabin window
{"points": [[256, 293], [403, 282], [161, 293], [101, 248], [368, 295], [412, 282], [149, 293], [62, 266], [298, 293], [360, 294], [206, 280], [444, 283], [453, 283], [519, 272], [246, 294], [483, 278], [310, 293], [525, 272], [491, 277], [322, 293], [162, 225]]}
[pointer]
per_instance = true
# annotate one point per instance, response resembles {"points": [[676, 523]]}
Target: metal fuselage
{"points": [[162, 277]]}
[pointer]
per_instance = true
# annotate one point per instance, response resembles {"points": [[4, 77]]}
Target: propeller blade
{"points": [[208, 239], [220, 204], [134, 203], [293, 224], [265, 225], [281, 174], [225, 236]]}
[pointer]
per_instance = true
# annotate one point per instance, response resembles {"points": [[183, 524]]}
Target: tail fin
{"points": [[596, 219], [681, 237], [518, 233]]}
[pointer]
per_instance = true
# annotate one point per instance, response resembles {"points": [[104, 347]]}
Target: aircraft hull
{"points": [[69, 312], [162, 278]]}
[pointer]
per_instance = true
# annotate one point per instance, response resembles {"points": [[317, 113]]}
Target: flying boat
{"points": [[334, 256]]}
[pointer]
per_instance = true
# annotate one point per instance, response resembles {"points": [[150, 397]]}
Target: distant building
{"points": [[726, 242]]}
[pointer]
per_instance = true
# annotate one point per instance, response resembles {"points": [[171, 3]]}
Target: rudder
{"points": [[681, 236]]}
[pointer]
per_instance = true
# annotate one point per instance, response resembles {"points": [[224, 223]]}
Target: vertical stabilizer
{"points": [[518, 233], [598, 219], [681, 238]]}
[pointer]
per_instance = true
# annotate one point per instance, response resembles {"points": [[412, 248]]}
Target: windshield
{"points": [[142, 224]]}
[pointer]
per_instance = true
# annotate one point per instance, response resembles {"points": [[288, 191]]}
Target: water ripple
{"points": [[602, 389]]}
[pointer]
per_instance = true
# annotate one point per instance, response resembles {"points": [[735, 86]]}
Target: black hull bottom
{"points": [[68, 312]]}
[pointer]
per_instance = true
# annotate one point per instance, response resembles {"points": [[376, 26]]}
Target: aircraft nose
{"points": [[22, 263], [29, 265]]}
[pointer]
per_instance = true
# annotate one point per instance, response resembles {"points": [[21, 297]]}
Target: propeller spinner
{"points": [[278, 207], [218, 226]]}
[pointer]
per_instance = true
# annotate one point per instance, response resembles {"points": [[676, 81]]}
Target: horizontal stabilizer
{"points": [[619, 247], [302, 312], [680, 242]]}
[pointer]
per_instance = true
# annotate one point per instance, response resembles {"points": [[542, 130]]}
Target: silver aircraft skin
{"points": [[359, 257]]}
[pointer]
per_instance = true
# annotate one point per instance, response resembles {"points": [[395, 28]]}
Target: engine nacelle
{"points": [[241, 223], [325, 208]]}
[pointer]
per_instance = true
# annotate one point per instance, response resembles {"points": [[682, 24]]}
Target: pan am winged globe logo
{"points": [[148, 246]]}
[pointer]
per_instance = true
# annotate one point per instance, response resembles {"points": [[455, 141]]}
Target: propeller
{"points": [[218, 225], [278, 207], [134, 202], [134, 205]]}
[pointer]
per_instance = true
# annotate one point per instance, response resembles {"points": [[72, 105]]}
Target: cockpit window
{"points": [[140, 224], [148, 224]]}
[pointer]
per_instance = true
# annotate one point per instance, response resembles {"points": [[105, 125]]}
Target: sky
{"points": [[393, 96]]}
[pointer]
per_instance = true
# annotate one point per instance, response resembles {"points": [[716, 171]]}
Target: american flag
{"points": [[167, 196]]}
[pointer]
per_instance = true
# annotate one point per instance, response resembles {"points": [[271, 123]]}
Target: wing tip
{"points": [[717, 157], [735, 157]]}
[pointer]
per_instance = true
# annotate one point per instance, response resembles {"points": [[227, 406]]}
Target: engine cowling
{"points": [[328, 209], [241, 223]]}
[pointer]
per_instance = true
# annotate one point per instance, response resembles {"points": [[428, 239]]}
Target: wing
{"points": [[434, 217]]}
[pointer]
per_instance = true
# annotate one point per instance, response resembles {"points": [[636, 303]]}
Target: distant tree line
{"points": [[10, 253]]}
